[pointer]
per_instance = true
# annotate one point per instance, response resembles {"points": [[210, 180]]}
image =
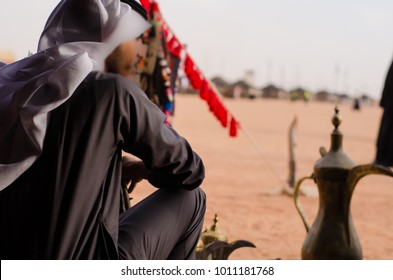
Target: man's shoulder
{"points": [[118, 81]]}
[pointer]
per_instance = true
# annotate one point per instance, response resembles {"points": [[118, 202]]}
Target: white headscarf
{"points": [[77, 38]]}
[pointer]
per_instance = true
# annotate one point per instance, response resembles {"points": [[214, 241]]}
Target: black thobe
{"points": [[385, 136], [66, 205]]}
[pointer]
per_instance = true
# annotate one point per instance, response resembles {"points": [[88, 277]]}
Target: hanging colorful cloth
{"points": [[155, 78], [176, 54]]}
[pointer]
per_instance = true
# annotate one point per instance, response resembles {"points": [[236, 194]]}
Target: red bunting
{"points": [[223, 116], [217, 109], [188, 62], [174, 46], [204, 92], [216, 106], [154, 7], [146, 4], [212, 101], [195, 79], [233, 127], [194, 75], [172, 42]]}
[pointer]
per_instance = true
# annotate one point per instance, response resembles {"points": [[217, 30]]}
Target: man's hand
{"points": [[133, 171]]}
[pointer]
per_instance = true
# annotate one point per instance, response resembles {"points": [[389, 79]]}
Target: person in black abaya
{"points": [[384, 154], [64, 124]]}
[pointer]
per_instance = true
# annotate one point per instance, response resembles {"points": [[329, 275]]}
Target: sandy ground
{"points": [[244, 174]]}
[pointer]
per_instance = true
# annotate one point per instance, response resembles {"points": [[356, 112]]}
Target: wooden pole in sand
{"points": [[306, 190], [292, 154]]}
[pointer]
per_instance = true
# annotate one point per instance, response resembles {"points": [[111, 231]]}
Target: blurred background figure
{"points": [[385, 136], [356, 104]]}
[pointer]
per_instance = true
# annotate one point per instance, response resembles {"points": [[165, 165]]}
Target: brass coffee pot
{"points": [[333, 235], [213, 244]]}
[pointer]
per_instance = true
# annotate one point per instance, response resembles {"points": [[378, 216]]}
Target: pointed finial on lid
{"points": [[214, 233], [336, 120], [336, 158]]}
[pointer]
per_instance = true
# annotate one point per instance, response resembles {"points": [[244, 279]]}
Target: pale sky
{"points": [[337, 45]]}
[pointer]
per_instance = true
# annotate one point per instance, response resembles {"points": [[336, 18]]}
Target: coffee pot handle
{"points": [[297, 201]]}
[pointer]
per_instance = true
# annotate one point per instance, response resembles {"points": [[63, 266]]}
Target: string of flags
{"points": [[198, 81]]}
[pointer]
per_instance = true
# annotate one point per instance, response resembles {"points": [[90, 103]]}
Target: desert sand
{"points": [[245, 175]]}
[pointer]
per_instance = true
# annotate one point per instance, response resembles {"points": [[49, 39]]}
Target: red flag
{"points": [[196, 79], [223, 116], [146, 4], [174, 46], [217, 109], [212, 101], [194, 75], [233, 127], [204, 92], [154, 7], [188, 62]]}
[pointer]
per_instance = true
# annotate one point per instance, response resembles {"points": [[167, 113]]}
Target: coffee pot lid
{"points": [[214, 233], [336, 157]]}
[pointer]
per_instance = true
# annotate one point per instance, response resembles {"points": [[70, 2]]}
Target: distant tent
{"points": [[241, 89], [243, 84], [322, 95], [365, 99], [271, 91], [344, 97], [219, 82], [223, 86], [300, 94]]}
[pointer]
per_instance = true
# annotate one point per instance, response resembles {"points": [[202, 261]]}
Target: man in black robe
{"points": [[385, 136], [61, 144]]}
